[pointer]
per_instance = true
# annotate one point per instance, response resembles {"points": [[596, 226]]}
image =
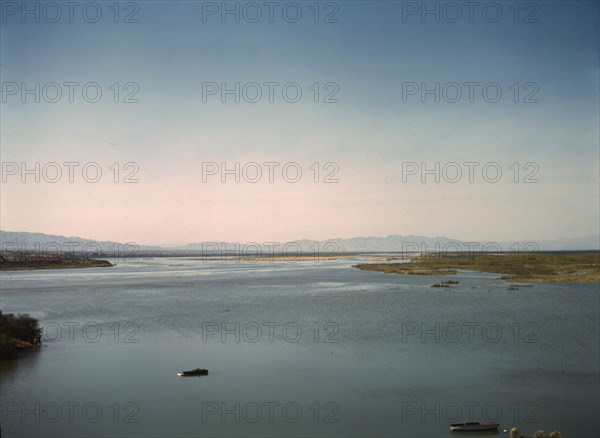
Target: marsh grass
{"points": [[515, 433], [403, 268], [23, 261], [447, 283], [568, 267]]}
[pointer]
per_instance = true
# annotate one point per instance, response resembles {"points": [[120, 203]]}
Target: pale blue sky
{"points": [[369, 53]]}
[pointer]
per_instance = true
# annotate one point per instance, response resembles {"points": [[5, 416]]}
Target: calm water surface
{"points": [[296, 349]]}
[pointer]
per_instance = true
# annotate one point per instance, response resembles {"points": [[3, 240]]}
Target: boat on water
{"points": [[473, 426], [196, 372]]}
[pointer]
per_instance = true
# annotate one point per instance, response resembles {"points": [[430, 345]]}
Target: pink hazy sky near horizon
{"points": [[177, 209]]}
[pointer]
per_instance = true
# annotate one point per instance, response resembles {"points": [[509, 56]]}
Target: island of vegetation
{"points": [[18, 332], [569, 267], [515, 433], [10, 260], [444, 283]]}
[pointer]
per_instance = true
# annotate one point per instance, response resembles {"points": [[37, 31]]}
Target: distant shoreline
{"points": [[297, 258], [13, 261], [548, 267]]}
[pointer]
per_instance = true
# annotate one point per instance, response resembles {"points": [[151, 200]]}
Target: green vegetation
{"points": [[567, 267], [515, 433], [18, 332], [22, 260], [411, 268], [445, 283]]}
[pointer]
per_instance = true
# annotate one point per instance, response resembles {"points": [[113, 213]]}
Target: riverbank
{"points": [[18, 333], [14, 261], [567, 267]]}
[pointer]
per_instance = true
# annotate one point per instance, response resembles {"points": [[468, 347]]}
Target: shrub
{"points": [[15, 328]]}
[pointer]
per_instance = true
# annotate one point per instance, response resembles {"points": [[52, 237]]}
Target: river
{"points": [[296, 349]]}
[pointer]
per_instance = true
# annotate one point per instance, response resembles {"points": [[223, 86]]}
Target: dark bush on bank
{"points": [[17, 332]]}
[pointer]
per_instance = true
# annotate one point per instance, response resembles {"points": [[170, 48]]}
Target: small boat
{"points": [[473, 426], [196, 372]]}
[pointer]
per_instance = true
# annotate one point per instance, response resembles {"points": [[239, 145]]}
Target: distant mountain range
{"points": [[23, 241]]}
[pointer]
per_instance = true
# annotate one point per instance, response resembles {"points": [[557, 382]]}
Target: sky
{"points": [[470, 120]]}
